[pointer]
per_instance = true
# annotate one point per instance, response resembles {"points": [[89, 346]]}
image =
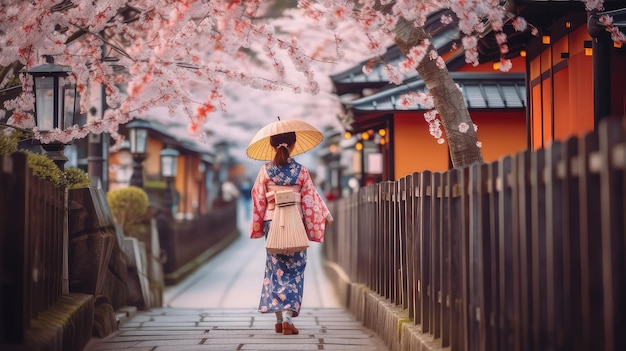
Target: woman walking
{"points": [[283, 284]]}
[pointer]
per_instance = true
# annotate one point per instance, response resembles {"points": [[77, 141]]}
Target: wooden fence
{"points": [[527, 253], [189, 243], [32, 220]]}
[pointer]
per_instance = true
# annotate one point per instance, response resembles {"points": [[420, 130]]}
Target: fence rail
{"points": [[32, 213], [527, 253]]}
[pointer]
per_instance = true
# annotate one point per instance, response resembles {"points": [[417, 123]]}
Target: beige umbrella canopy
{"points": [[307, 137]]}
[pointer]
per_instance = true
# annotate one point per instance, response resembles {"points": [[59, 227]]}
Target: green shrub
{"points": [[8, 143], [44, 168], [129, 207], [76, 178]]}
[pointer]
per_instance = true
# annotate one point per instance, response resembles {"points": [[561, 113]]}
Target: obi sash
{"points": [[270, 198]]}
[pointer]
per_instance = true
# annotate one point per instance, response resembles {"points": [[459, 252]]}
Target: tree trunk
{"points": [[447, 98]]}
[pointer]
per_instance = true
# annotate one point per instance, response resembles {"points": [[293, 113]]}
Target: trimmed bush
{"points": [[129, 206], [8, 143], [76, 178], [44, 168]]}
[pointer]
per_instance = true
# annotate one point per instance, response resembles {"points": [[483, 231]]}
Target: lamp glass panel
{"points": [[138, 140], [132, 135], [168, 166], [69, 104], [44, 92], [142, 140]]}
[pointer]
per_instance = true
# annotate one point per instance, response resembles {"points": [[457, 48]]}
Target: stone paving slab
{"points": [[179, 329], [215, 308]]}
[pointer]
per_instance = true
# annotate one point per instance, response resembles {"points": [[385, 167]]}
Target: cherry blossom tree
{"points": [[147, 53]]}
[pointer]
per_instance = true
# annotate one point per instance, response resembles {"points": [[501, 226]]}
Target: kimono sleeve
{"points": [[259, 204], [314, 210]]}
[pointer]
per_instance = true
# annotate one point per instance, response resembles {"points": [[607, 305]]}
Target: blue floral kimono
{"points": [[283, 284]]}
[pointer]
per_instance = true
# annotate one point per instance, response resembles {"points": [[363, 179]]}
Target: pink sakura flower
{"points": [[393, 74], [280, 272], [430, 116], [501, 38], [404, 102], [463, 127], [407, 66], [441, 64], [594, 5], [446, 19], [433, 54], [505, 65]]}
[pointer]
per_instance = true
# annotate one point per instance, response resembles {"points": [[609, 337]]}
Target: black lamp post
{"points": [[55, 104], [169, 159], [138, 135]]}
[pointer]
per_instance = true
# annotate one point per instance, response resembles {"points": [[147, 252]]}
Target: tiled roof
{"points": [[442, 38], [480, 90]]}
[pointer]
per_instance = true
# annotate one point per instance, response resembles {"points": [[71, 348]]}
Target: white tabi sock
{"points": [[287, 316]]}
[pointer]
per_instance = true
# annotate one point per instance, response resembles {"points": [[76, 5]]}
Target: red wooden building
{"points": [[561, 83]]}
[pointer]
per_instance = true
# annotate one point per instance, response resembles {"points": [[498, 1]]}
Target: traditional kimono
{"points": [[284, 274]]}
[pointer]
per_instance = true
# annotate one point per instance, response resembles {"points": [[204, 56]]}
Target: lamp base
{"points": [[54, 151]]}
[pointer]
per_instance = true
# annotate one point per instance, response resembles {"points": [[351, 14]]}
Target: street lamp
{"points": [[169, 159], [138, 135], [55, 104]]}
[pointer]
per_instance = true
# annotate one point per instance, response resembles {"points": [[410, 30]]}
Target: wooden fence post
{"points": [[13, 241], [436, 233], [572, 284], [446, 257], [613, 231], [417, 246], [458, 315], [401, 201], [554, 214], [425, 223], [508, 242], [590, 244]]}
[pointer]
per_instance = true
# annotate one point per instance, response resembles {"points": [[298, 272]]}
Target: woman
{"points": [[284, 274]]}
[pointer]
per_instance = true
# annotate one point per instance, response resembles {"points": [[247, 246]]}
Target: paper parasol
{"points": [[307, 137]]}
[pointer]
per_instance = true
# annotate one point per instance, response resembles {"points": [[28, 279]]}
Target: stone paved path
{"points": [[215, 308], [179, 329]]}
